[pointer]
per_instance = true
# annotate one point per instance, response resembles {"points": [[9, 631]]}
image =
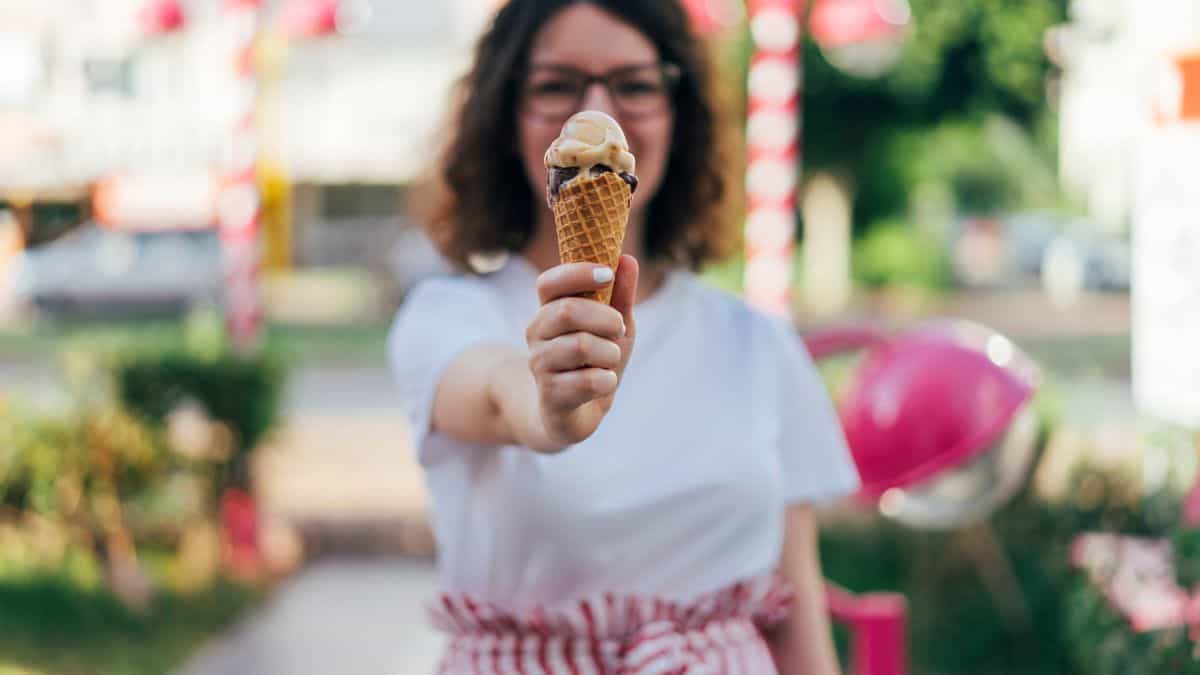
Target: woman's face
{"points": [[584, 40]]}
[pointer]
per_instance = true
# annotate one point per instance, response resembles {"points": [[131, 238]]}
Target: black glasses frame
{"points": [[671, 74]]}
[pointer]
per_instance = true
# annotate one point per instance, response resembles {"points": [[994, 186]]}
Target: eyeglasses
{"points": [[558, 91]]}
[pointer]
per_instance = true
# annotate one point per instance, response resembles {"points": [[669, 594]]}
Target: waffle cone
{"points": [[590, 216]]}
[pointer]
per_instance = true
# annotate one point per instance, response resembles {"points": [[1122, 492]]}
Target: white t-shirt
{"points": [[721, 420]]}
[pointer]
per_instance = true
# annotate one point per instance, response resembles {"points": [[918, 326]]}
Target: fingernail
{"points": [[622, 329], [602, 275]]}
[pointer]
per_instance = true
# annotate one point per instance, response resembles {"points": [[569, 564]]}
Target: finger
{"points": [[566, 391], [574, 351], [570, 279], [625, 292], [573, 315]]}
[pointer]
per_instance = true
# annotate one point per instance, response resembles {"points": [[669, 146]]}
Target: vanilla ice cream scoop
{"points": [[591, 143]]}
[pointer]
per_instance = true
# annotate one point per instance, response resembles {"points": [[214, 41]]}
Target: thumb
{"points": [[625, 292]]}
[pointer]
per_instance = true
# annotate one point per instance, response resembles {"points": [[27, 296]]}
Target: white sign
{"points": [[157, 201], [1166, 275], [21, 67]]}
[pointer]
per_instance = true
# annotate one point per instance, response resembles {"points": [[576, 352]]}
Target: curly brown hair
{"points": [[485, 204]]}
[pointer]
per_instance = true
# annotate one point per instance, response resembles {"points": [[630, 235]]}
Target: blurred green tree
{"points": [[964, 62], [965, 106]]}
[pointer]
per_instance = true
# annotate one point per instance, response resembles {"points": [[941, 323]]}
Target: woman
{"points": [[610, 495]]}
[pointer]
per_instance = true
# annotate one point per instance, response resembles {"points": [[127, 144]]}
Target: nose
{"points": [[597, 98]]}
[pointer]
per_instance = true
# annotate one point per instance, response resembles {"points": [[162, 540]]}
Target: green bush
{"points": [[116, 473], [1101, 642], [241, 392], [1186, 544], [50, 625], [110, 549], [1002, 598], [894, 253], [61, 464], [193, 365]]}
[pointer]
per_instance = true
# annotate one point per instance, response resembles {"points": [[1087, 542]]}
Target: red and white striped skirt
{"points": [[718, 634]]}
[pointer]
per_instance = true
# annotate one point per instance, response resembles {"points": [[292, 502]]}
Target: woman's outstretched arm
{"points": [[558, 392]]}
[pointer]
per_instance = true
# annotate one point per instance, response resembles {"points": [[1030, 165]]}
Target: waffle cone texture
{"points": [[590, 216]]}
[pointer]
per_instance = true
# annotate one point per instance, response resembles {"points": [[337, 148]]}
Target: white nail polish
{"points": [[602, 275]]}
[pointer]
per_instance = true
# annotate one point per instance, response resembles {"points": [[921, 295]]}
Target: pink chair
{"points": [[878, 625]]}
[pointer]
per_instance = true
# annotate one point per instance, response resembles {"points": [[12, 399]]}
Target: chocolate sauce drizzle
{"points": [[559, 175]]}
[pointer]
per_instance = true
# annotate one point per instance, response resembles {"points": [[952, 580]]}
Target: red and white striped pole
{"points": [[240, 204], [773, 138]]}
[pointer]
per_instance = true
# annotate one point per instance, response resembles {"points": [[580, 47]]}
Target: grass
{"points": [[49, 626], [325, 343]]}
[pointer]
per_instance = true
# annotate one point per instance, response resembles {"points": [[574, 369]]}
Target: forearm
{"points": [[803, 645], [487, 396]]}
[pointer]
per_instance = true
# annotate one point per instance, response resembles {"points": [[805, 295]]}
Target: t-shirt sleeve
{"points": [[817, 465], [439, 319]]}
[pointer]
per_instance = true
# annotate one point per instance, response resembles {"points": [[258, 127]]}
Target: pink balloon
{"points": [[934, 404]]}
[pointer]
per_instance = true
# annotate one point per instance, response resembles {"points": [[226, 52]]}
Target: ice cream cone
{"points": [[590, 216]]}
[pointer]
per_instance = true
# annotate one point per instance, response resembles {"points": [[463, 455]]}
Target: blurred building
{"points": [[135, 93], [1113, 60], [1130, 142]]}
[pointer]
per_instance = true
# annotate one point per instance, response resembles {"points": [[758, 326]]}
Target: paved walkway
{"points": [[340, 617], [341, 468], [342, 476]]}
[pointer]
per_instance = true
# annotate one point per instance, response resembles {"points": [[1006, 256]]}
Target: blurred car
{"points": [[94, 270], [1027, 250]]}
